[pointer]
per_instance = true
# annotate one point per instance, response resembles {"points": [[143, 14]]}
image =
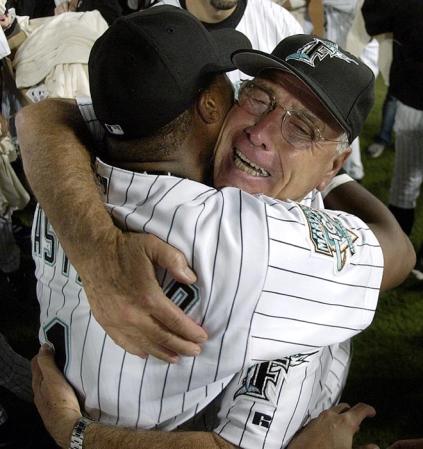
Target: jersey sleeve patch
{"points": [[329, 237]]}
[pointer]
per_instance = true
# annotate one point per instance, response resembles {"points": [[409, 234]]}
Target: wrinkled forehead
{"points": [[283, 82]]}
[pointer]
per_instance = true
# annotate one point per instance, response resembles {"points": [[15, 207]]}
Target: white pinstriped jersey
{"points": [[274, 280], [264, 22], [120, 388]]}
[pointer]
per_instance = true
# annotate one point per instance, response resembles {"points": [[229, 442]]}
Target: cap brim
{"points": [[253, 62], [228, 41]]}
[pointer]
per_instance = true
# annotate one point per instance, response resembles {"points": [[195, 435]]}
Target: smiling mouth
{"points": [[244, 164]]}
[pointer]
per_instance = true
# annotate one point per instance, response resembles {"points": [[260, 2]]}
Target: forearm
{"points": [[398, 252], [53, 139], [99, 437], [315, 11]]}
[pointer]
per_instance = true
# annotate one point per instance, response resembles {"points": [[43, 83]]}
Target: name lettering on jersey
{"points": [[318, 50], [261, 419], [56, 332], [184, 296], [329, 236], [264, 380], [45, 245]]}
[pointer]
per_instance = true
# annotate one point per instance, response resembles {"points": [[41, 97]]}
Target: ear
{"points": [[336, 165], [208, 107]]}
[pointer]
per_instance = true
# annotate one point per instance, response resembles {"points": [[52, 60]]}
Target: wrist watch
{"points": [[78, 432]]}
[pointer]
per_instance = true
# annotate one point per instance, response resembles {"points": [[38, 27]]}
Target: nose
{"points": [[266, 130]]}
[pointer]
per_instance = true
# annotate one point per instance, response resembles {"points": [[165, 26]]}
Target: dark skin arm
{"points": [[121, 286], [398, 252]]}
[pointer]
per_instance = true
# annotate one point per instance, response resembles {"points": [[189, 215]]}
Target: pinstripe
{"points": [[237, 287], [258, 298], [322, 278], [290, 244], [296, 405], [164, 387], [305, 321], [71, 321], [140, 394], [246, 421], [119, 388], [319, 302], [49, 287], [212, 281], [64, 298], [214, 259], [286, 220], [158, 202], [284, 341], [98, 376], [139, 204], [83, 353]]}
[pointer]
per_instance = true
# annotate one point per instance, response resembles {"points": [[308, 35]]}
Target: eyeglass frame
{"points": [[287, 112]]}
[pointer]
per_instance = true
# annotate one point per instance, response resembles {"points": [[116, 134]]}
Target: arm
{"points": [[407, 444], [59, 409], [334, 428], [124, 296], [315, 11], [398, 253]]}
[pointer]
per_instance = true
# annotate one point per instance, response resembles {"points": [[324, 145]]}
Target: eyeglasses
{"points": [[296, 127]]}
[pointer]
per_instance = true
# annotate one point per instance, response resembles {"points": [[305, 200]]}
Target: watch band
{"points": [[78, 432]]}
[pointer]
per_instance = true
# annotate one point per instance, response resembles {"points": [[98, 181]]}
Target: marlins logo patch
{"points": [[329, 236], [318, 50], [264, 381]]}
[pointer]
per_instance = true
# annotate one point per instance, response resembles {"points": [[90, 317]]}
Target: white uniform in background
{"points": [[264, 22]]}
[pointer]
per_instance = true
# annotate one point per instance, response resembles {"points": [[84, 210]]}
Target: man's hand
{"points": [[54, 397], [334, 428], [407, 444], [127, 300], [116, 268]]}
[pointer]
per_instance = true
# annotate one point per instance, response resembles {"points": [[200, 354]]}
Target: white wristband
{"points": [[335, 182]]}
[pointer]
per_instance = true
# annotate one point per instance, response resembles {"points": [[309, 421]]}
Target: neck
{"points": [[186, 162], [205, 12]]}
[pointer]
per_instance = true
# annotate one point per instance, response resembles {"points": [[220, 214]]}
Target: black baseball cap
{"points": [[148, 68], [342, 82]]}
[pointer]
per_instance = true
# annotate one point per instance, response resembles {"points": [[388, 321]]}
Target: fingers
{"points": [[407, 444], [169, 258], [361, 411], [175, 320], [341, 407]]}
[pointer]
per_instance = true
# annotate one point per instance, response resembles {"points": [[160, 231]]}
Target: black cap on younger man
{"points": [[148, 68]]}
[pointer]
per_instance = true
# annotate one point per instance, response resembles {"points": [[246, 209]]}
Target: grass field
{"points": [[387, 368]]}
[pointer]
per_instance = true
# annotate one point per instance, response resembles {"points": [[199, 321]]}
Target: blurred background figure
{"points": [[404, 20], [384, 137]]}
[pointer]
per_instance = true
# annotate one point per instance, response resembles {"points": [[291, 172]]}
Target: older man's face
{"points": [[257, 154]]}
